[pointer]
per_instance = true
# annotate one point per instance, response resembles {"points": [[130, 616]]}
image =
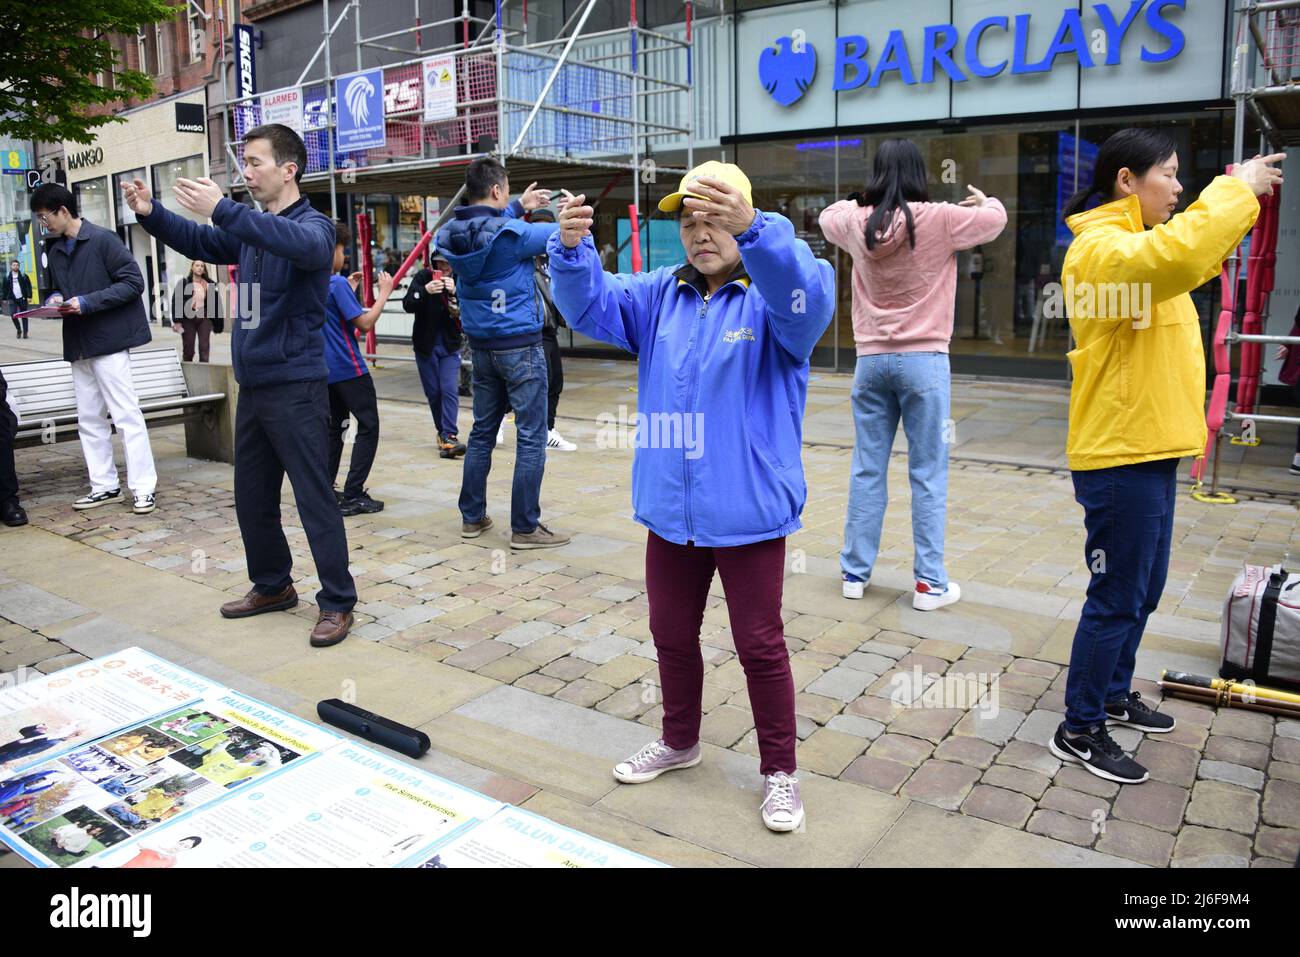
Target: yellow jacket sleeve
{"points": [[1177, 256]]}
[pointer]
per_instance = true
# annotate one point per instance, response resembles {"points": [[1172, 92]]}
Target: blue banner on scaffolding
{"points": [[359, 99]]}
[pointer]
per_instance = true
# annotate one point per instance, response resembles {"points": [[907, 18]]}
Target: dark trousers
{"points": [[284, 429], [677, 585], [440, 378], [356, 396], [20, 325], [1128, 512], [200, 329], [554, 378], [8, 429]]}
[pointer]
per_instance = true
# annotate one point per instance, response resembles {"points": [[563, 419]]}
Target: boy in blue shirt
{"points": [[351, 388]]}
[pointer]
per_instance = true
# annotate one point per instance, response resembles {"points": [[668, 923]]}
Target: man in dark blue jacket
{"points": [[282, 418], [18, 290], [98, 286], [491, 250]]}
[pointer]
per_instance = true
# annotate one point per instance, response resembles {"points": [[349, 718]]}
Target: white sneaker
{"points": [[927, 597], [852, 587], [782, 806], [554, 440], [143, 504], [501, 434]]}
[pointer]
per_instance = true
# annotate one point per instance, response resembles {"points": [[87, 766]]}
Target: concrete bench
{"points": [[170, 393]]}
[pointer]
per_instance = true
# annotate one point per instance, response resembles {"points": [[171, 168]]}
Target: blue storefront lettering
{"points": [[787, 74]]}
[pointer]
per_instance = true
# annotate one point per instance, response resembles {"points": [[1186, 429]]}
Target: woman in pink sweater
{"points": [[904, 284]]}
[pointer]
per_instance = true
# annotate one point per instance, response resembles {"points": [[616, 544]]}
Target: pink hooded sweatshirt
{"points": [[903, 297]]}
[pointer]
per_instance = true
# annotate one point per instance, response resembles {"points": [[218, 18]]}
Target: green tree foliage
{"points": [[50, 54]]}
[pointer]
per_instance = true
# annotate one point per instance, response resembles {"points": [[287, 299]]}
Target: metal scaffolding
{"points": [[607, 100], [1266, 87]]}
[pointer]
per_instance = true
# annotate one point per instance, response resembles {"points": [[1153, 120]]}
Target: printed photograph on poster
{"points": [[142, 809], [190, 726], [31, 733], [34, 797], [234, 756], [141, 746], [96, 765], [56, 714], [73, 836]]}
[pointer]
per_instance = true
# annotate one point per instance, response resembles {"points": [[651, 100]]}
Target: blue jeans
{"points": [[916, 387], [1128, 512], [440, 376], [516, 379]]}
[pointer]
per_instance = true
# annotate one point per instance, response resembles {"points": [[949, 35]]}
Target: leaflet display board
{"points": [[130, 761]]}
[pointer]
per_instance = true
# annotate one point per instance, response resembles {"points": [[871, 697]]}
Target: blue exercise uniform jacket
{"points": [[285, 260], [722, 382], [491, 253]]}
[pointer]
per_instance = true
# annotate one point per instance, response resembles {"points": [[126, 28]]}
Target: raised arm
{"points": [[308, 245], [535, 237], [841, 223], [799, 288], [621, 310], [971, 225], [189, 238], [1181, 254]]}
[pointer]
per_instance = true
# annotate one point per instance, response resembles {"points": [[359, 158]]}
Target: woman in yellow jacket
{"points": [[1137, 405]]}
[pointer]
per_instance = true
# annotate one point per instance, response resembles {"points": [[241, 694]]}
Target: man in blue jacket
{"points": [[491, 250], [282, 418], [723, 343]]}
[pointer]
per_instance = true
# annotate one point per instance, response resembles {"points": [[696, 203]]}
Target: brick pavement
{"points": [[567, 631]]}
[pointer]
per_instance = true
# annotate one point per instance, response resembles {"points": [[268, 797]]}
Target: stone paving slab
{"points": [[544, 650], [573, 774], [715, 805], [971, 842], [626, 833]]}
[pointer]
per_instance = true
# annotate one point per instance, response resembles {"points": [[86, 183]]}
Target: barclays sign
{"points": [[787, 68]]}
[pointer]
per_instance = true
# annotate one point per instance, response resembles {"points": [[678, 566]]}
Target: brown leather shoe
{"points": [[331, 628], [255, 603]]}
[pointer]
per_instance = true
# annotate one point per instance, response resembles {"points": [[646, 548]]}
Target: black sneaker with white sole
{"points": [[96, 499], [1133, 712], [1098, 752]]}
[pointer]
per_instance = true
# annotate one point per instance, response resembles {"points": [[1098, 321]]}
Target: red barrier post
{"points": [[636, 238]]}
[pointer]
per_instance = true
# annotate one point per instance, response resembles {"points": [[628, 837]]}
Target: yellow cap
{"points": [[729, 173]]}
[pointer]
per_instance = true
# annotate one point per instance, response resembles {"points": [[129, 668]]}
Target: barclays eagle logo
{"points": [[357, 96], [785, 72]]}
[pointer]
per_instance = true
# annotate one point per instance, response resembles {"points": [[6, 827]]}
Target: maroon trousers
{"points": [[677, 585]]}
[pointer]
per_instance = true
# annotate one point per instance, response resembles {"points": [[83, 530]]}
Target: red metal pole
{"points": [[636, 238], [419, 251]]}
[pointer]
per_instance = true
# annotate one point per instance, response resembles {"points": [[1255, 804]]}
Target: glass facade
{"points": [[93, 202], [17, 240], [1000, 327], [171, 265]]}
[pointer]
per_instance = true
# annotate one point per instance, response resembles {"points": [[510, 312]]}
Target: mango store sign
{"points": [[788, 68]]}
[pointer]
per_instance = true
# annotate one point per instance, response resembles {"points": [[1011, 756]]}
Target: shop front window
{"points": [[171, 264], [797, 178], [92, 201]]}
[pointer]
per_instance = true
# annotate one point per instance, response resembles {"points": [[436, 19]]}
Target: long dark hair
{"points": [[1135, 148], [897, 178]]}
